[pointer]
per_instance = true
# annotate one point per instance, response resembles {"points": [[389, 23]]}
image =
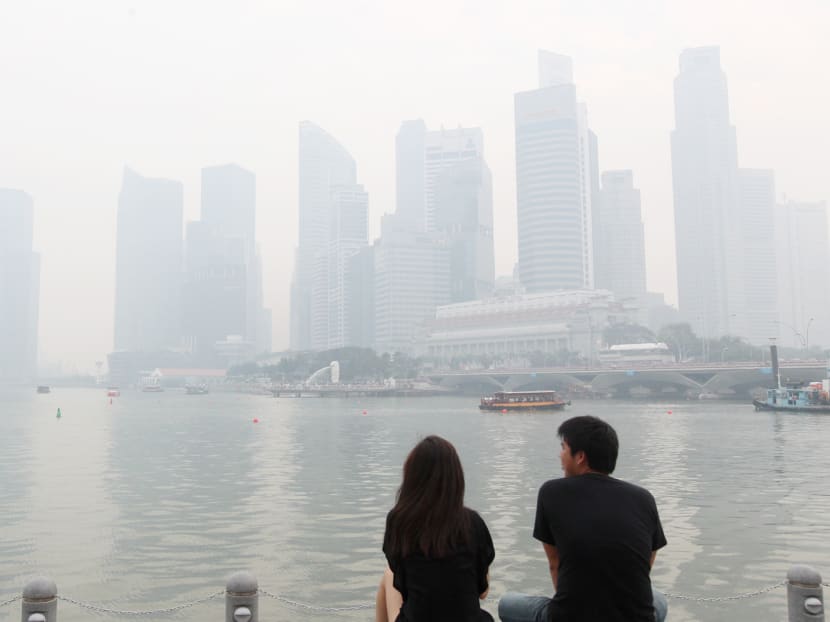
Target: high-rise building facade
{"points": [[463, 200], [556, 164], [349, 234], [619, 240], [149, 258], [704, 174], [19, 288], [443, 150], [754, 314], [411, 280], [223, 274], [328, 177], [410, 205], [803, 273]]}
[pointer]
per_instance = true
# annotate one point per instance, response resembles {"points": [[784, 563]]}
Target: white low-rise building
{"points": [[550, 322]]}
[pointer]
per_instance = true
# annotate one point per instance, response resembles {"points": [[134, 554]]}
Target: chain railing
{"points": [[40, 597]]}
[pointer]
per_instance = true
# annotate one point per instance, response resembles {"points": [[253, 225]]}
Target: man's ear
{"points": [[580, 458]]}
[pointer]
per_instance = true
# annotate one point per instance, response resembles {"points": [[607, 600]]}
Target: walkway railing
{"points": [[805, 599]]}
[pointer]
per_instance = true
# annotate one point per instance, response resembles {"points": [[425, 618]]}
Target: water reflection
{"points": [[153, 500]]}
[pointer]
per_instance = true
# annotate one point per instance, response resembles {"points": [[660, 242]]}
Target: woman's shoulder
{"points": [[475, 519]]}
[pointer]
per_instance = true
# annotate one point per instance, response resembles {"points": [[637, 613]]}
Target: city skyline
{"points": [[75, 215]]}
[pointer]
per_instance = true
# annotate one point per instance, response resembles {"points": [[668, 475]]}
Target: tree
{"points": [[681, 339]]}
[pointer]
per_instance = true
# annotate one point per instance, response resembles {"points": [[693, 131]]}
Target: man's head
{"points": [[588, 444]]}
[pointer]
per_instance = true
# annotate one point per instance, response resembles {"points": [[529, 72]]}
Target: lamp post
{"points": [[722, 352], [807, 336], [801, 338]]}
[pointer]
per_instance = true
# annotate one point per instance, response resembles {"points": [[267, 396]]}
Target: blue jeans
{"points": [[515, 607]]}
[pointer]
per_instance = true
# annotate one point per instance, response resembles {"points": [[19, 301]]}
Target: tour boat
{"points": [[523, 401]]}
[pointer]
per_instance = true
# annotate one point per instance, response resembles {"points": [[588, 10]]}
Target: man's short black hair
{"points": [[595, 437]]}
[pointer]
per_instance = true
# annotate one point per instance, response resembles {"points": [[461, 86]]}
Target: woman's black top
{"points": [[446, 589]]}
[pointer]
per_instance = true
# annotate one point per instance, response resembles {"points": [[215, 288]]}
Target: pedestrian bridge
{"points": [[725, 379]]}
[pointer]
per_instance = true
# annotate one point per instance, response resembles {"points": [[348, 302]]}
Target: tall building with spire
{"points": [[556, 181], [19, 288], [149, 262]]}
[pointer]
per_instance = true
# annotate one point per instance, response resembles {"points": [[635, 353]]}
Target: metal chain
{"points": [[10, 601], [150, 612], [300, 605], [719, 599]]}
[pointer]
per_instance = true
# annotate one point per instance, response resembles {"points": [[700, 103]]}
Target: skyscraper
{"points": [[223, 274], [803, 273], [148, 269], [464, 215], [556, 167], [704, 174], [324, 166], [19, 287], [410, 203], [349, 234], [443, 150], [619, 241], [754, 314]]}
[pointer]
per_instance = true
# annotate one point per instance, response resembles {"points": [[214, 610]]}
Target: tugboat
{"points": [[523, 401], [811, 397]]}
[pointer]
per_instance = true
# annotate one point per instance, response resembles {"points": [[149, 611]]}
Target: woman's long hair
{"points": [[429, 515]]}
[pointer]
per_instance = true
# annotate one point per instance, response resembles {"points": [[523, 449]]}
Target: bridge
{"points": [[734, 379]]}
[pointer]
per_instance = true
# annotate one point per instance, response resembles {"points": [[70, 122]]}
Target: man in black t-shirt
{"points": [[600, 535]]}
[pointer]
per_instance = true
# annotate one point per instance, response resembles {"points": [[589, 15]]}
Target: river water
{"points": [[153, 500]]}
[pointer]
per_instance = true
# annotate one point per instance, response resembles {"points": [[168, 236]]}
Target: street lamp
{"points": [[722, 352], [807, 336], [801, 338]]}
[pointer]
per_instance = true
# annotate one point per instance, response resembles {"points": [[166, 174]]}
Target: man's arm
{"points": [[651, 561], [553, 562]]}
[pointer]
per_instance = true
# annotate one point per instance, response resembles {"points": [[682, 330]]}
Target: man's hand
{"points": [[553, 562]]}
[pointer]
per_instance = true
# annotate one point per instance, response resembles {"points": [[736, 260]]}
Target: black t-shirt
{"points": [[604, 531], [446, 589]]}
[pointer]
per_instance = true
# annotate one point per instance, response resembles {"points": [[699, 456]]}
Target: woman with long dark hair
{"points": [[438, 551]]}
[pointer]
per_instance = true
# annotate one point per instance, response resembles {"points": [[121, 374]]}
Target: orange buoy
{"points": [[364, 412], [668, 411], [256, 420], [503, 411]]}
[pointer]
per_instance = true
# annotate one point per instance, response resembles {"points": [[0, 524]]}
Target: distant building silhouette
{"points": [[803, 273], [704, 172], [223, 274], [330, 300], [619, 241], [438, 245], [332, 208], [723, 215], [754, 313], [148, 267], [19, 288], [556, 181]]}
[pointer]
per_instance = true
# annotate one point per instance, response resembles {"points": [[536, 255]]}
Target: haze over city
{"points": [[167, 90]]}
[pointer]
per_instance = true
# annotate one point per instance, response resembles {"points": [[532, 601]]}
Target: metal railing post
{"points": [[40, 601], [805, 602], [241, 598]]}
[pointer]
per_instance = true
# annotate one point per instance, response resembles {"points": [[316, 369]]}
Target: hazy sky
{"points": [[168, 87]]}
